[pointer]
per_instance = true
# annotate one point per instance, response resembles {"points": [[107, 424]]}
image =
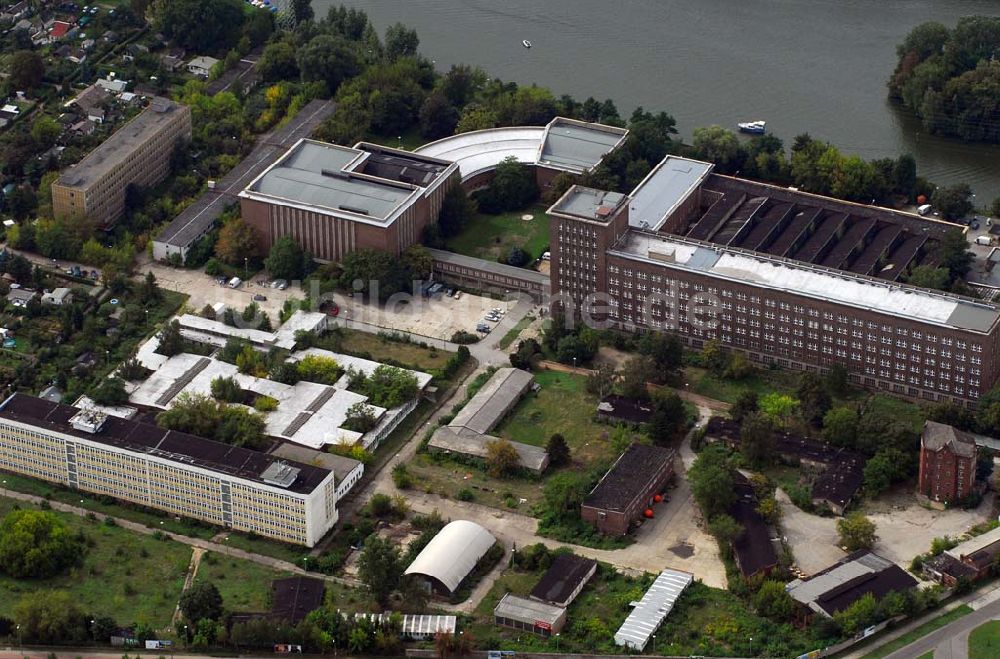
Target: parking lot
{"points": [[438, 316]]}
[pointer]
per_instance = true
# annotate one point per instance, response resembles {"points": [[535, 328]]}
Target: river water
{"points": [[816, 66]]}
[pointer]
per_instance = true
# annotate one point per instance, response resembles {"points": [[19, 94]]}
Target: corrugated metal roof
{"points": [[650, 612], [452, 554]]}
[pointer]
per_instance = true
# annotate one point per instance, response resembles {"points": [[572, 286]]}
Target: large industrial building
{"points": [[136, 154], [172, 471], [786, 277]]}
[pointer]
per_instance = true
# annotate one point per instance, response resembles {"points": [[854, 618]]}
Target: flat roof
{"points": [[977, 543], [527, 610], [670, 183], [500, 269], [121, 144], [577, 146], [567, 574], [319, 176], [756, 269], [293, 598], [628, 476], [589, 204], [654, 607], [152, 440], [340, 465], [469, 442]]}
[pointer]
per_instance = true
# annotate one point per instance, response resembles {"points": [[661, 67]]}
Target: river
{"points": [[816, 66]]}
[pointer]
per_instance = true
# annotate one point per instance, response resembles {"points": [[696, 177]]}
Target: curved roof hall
{"points": [[480, 150], [452, 554]]}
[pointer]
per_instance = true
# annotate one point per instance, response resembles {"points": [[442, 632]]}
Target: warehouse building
{"points": [[848, 580], [138, 153], [168, 470], [627, 489], [654, 607], [564, 579], [529, 615], [451, 555]]}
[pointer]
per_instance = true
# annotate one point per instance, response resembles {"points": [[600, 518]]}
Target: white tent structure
{"points": [[453, 553]]}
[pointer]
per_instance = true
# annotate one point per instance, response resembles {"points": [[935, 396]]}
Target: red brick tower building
{"points": [[947, 463]]}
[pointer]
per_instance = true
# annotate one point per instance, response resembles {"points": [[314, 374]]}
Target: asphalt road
{"points": [[952, 640]]}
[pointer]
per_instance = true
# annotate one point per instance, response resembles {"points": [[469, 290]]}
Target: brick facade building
{"points": [[800, 281], [947, 463], [628, 488]]}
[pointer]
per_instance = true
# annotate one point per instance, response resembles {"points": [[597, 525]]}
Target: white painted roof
{"points": [[484, 149], [650, 612], [666, 187], [452, 554], [810, 281]]}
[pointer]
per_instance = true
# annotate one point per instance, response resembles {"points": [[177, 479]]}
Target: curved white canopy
{"points": [[453, 553]]}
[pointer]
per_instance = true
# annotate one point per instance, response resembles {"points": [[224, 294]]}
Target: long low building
{"points": [[621, 496], [468, 432], [654, 607], [451, 555], [848, 580], [168, 470], [529, 615]]}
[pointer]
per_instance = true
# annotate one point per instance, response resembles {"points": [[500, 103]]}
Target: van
{"points": [[923, 209], [984, 240], [546, 256], [235, 282]]}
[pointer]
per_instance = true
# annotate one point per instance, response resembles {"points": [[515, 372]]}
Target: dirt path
{"points": [[192, 572]]}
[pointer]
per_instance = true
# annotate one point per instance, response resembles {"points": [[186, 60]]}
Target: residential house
{"points": [[201, 66]]}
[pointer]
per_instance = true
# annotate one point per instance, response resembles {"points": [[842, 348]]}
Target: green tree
{"points": [[745, 404], [564, 492], [457, 210], [725, 529], [840, 427], [26, 70], [35, 544], [558, 450], [360, 417], [50, 616], [278, 62], [773, 601], [171, 341], [287, 260], [227, 390], [929, 276], [856, 532], [757, 439], [814, 399], [635, 375], [779, 408], [721, 146], [669, 417], [954, 202], [319, 369], [328, 59], [857, 616], [200, 602], [955, 254], [574, 349], [502, 459], [380, 568], [513, 187], [995, 208], [109, 391], [438, 117], [301, 10], [884, 469], [212, 26], [400, 41], [711, 480], [45, 131], [666, 350]]}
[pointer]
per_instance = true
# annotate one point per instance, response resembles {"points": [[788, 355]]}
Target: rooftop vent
{"points": [[354, 209], [89, 420], [603, 211], [280, 474]]}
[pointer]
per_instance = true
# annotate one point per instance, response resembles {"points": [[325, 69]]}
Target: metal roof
{"points": [[527, 610], [650, 612], [493, 400], [452, 554], [577, 146], [484, 265]]}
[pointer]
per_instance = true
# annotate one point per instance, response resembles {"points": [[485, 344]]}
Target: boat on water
{"points": [[526, 43], [752, 127]]}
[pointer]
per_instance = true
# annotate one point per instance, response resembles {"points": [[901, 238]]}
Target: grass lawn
{"points": [[899, 410], [125, 575], [919, 632], [515, 331], [564, 406], [492, 236], [702, 382], [984, 640], [380, 348], [265, 546], [244, 586]]}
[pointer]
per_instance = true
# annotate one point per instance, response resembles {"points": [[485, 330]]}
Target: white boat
{"points": [[526, 43], [754, 127]]}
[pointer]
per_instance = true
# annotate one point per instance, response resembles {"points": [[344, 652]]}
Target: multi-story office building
{"points": [[334, 200], [179, 473], [786, 277], [138, 153]]}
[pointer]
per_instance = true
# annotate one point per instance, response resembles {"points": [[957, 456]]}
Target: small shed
{"points": [[529, 615], [58, 296]]}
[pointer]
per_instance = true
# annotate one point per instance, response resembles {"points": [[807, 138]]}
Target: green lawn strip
{"points": [[412, 354], [984, 640], [264, 546], [244, 586], [105, 506], [515, 331], [927, 655], [128, 576], [492, 236], [919, 632]]}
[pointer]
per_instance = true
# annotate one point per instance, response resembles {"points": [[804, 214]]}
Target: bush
{"points": [[465, 494], [265, 404], [401, 477], [462, 337]]}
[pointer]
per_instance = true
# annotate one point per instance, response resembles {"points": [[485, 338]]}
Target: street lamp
{"points": [[654, 643], [751, 646], [557, 642], [246, 267]]}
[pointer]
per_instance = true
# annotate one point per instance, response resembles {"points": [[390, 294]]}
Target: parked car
{"points": [[280, 284], [259, 298], [458, 294]]}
